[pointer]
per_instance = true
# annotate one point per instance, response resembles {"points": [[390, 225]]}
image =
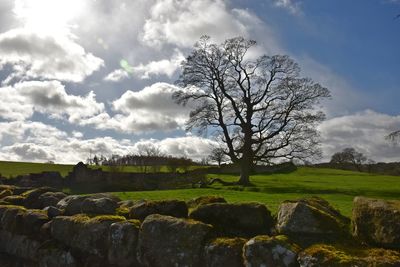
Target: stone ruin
{"points": [[44, 227]]}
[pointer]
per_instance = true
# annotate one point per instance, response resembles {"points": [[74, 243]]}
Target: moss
{"points": [[330, 255], [12, 207], [137, 223], [339, 254], [122, 211], [6, 193], [229, 242], [104, 218]]}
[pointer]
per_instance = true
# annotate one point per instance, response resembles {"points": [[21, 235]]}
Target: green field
{"points": [[337, 186], [12, 169]]}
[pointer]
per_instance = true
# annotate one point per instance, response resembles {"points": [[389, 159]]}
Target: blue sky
{"points": [[83, 77]]}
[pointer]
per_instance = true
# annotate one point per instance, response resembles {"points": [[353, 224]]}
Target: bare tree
{"points": [[260, 108], [218, 155]]}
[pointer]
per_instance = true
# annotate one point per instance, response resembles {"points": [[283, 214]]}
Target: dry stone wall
{"points": [[49, 229]]}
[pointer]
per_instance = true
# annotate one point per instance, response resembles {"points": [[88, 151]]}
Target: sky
{"points": [[85, 77]]}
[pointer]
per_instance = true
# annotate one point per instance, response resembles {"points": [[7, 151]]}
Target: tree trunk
{"points": [[245, 168]]}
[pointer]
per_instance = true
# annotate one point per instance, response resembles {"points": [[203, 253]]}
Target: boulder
{"points": [[19, 246], [175, 208], [30, 222], [122, 243], [328, 255], [21, 221], [237, 220], [81, 232], [377, 222], [53, 212], [15, 200], [168, 241], [99, 206], [224, 252], [274, 251], [71, 204], [50, 198], [129, 203], [55, 257], [311, 218], [5, 193], [203, 200], [32, 197], [9, 215]]}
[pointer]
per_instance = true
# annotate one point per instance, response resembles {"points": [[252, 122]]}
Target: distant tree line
{"points": [[146, 162]]}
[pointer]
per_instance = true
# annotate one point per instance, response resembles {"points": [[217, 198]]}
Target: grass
{"points": [[12, 169], [336, 186]]}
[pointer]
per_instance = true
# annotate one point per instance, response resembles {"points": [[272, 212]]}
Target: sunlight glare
{"points": [[49, 16]]}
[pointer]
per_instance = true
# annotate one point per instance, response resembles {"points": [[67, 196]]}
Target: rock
{"points": [[224, 252], [129, 203], [270, 251], [311, 218], [175, 208], [31, 221], [15, 200], [328, 255], [238, 220], [71, 204], [377, 222], [99, 206], [5, 193], [89, 235], [19, 246], [168, 241], [122, 243], [18, 220], [53, 212], [32, 197], [203, 200], [9, 215], [55, 257], [105, 195], [50, 198]]}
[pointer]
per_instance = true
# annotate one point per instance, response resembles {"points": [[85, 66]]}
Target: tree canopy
{"points": [[259, 108]]}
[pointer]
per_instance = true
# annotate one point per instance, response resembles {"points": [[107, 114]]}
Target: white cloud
{"points": [[38, 142], [293, 6], [117, 75], [365, 131], [39, 55], [164, 66], [182, 22], [148, 110], [47, 97]]}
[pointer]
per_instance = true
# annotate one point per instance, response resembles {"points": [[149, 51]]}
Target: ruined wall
{"points": [[85, 180], [43, 227]]}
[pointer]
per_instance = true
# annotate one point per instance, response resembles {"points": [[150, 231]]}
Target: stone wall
{"points": [[86, 180], [43, 227]]}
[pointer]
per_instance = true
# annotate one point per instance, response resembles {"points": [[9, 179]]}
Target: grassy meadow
{"points": [[337, 186], [11, 168]]}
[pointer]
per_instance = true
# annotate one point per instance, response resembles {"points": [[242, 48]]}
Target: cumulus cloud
{"points": [[182, 22], [36, 141], [39, 55], [117, 75], [365, 131], [148, 110], [48, 97], [165, 66]]}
